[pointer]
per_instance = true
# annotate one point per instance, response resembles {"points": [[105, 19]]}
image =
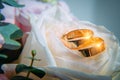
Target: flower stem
{"points": [[33, 55]]}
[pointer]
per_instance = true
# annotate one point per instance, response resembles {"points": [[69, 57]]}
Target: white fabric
{"points": [[45, 38], [32, 7]]}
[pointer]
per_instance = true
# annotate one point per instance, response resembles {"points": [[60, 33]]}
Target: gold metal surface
{"points": [[84, 41]]}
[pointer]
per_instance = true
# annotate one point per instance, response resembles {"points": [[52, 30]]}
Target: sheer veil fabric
{"points": [[45, 38]]}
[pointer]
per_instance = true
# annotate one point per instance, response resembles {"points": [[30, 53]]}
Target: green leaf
{"points": [[38, 72], [9, 32], [1, 5], [16, 35], [20, 78], [2, 17], [12, 3], [24, 68], [3, 56]]}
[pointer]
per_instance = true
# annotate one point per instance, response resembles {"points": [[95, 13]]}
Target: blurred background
{"points": [[99, 12]]}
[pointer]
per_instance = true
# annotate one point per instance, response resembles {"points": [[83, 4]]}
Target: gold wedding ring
{"points": [[84, 41]]}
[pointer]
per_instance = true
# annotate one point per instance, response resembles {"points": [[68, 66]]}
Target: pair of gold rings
{"points": [[84, 41]]}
